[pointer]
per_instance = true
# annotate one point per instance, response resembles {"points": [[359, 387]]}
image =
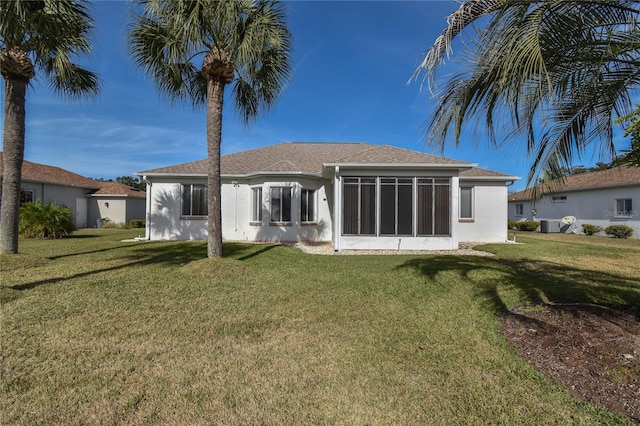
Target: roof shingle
{"points": [[616, 176], [309, 157], [55, 175], [43, 173]]}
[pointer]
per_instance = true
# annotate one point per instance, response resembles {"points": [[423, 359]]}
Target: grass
{"points": [[99, 331]]}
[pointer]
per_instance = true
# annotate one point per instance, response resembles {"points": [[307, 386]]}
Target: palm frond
{"points": [[549, 72]]}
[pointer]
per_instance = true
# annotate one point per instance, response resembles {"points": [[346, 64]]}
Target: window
{"points": [[281, 205], [27, 196], [559, 198], [433, 206], [406, 206], [519, 209], [396, 206], [194, 200], [466, 202], [256, 204], [359, 206], [623, 207], [308, 205]]}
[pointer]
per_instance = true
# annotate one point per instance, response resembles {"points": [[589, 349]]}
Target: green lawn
{"points": [[99, 331]]}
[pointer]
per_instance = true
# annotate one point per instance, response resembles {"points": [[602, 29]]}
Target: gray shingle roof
{"points": [[310, 157], [478, 172]]}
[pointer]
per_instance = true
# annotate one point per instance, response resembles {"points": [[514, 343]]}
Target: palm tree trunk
{"points": [[215, 97], [13, 146]]}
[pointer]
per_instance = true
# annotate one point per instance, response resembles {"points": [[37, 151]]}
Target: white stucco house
{"points": [[354, 195], [89, 200], [602, 198]]}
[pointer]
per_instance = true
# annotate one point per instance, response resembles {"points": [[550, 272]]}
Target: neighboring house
{"points": [[356, 195], [603, 198], [89, 200]]}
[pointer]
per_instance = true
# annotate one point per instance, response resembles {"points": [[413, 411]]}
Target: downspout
{"points": [[147, 223], [337, 209], [235, 224]]}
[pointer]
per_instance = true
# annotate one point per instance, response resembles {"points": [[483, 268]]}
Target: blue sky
{"points": [[352, 61]]}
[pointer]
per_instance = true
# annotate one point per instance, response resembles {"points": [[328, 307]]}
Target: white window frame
{"points": [[519, 209], [256, 204], [310, 196], [32, 195], [281, 190], [190, 213], [624, 212], [471, 204]]}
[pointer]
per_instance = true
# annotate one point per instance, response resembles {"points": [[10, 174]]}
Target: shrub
{"points": [[108, 223], [38, 220], [511, 224], [590, 229], [528, 225], [137, 223], [619, 231]]}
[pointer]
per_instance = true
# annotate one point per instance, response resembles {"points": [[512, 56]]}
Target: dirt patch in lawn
{"points": [[593, 350]]}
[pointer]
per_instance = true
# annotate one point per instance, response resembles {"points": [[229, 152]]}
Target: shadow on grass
{"points": [[88, 252], [176, 254], [245, 251], [532, 281]]}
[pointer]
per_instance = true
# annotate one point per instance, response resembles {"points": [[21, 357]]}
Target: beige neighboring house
{"points": [[354, 195], [602, 198], [90, 201]]}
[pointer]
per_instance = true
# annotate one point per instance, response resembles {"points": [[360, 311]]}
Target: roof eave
{"points": [[51, 182], [231, 175], [491, 178], [449, 166]]}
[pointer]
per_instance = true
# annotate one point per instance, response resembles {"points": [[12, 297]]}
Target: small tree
{"points": [[38, 220]]}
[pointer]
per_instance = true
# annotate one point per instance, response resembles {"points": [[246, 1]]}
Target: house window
{"points": [[623, 207], [281, 204], [307, 205], [559, 198], [359, 206], [519, 209], [406, 206], [396, 206], [194, 200], [433, 207], [27, 196], [466, 203], [256, 204]]}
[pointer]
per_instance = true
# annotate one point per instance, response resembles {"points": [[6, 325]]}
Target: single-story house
{"points": [[89, 200], [355, 195], [602, 198]]}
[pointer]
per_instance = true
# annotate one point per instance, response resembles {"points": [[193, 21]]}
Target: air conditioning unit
{"points": [[550, 226]]}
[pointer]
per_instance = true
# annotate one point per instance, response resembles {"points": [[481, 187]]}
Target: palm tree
{"points": [[194, 49], [36, 37], [551, 73]]}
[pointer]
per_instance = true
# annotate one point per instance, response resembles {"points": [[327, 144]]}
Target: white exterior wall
{"points": [[489, 223], [59, 194], [164, 221], [595, 207], [113, 209], [236, 211]]}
